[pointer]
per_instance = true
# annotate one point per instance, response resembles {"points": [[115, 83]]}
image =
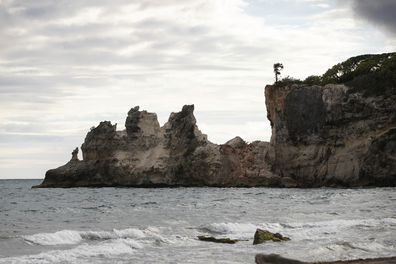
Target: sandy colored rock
{"points": [[147, 155]]}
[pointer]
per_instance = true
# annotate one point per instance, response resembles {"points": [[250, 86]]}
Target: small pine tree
{"points": [[277, 68]]}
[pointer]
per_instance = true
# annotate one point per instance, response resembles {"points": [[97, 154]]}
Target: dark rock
{"points": [[325, 136], [75, 154], [275, 259], [218, 240]]}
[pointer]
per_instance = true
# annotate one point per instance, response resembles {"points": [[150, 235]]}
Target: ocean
{"points": [[137, 225]]}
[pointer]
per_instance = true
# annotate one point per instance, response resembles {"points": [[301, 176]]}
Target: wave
{"points": [[80, 254], [230, 227], [345, 223], [299, 230], [68, 237]]}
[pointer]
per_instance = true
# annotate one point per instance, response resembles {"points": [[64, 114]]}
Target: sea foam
{"points": [[68, 237], [80, 253]]}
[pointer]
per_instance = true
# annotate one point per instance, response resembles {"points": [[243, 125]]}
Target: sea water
{"points": [[137, 225]]}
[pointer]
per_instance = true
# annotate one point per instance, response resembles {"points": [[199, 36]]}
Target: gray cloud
{"points": [[379, 12], [67, 65]]}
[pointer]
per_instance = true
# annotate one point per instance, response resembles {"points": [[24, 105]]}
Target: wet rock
{"points": [[263, 235], [274, 259], [218, 240]]}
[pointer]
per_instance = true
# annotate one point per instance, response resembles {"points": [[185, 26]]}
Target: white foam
{"points": [[231, 228], [68, 237], [115, 234], [345, 223], [370, 247], [57, 238], [333, 229], [107, 249]]}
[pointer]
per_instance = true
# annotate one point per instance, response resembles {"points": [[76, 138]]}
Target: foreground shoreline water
{"points": [[124, 225]]}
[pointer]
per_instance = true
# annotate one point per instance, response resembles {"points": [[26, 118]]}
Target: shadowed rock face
{"points": [[305, 112], [321, 136]]}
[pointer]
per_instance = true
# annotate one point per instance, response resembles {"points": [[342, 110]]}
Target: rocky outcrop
{"points": [[324, 136], [147, 155], [321, 136]]}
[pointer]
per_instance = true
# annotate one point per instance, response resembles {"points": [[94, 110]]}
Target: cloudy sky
{"points": [[67, 65]]}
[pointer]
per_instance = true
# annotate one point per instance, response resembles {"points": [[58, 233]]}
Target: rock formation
{"points": [[321, 136], [324, 136], [147, 155]]}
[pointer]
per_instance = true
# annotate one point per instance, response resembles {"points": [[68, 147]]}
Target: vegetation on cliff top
{"points": [[370, 74]]}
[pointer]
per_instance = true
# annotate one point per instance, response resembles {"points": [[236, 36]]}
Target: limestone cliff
{"points": [[324, 136], [147, 155], [321, 136]]}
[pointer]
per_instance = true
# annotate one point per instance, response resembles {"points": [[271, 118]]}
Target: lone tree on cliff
{"points": [[277, 68]]}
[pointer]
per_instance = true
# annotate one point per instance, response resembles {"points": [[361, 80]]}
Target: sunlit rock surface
{"points": [[147, 155]]}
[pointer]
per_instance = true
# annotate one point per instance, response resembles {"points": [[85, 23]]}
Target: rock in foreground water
{"points": [[263, 235]]}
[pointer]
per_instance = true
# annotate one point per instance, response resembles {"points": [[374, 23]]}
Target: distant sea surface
{"points": [[133, 225]]}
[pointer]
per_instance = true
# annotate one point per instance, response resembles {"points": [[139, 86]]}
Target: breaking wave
{"points": [[67, 237]]}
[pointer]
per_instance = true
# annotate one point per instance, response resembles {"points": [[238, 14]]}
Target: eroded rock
{"points": [[147, 155]]}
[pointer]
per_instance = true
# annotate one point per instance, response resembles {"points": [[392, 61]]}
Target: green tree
{"points": [[277, 68]]}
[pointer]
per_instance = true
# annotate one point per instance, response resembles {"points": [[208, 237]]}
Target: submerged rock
{"points": [[263, 235], [218, 240]]}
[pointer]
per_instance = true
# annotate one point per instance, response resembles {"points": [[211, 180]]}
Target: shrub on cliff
{"points": [[288, 81], [372, 74], [313, 80]]}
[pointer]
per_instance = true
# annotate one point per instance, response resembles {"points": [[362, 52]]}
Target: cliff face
{"points": [[323, 136]]}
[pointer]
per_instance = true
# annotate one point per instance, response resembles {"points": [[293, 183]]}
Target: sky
{"points": [[65, 66]]}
